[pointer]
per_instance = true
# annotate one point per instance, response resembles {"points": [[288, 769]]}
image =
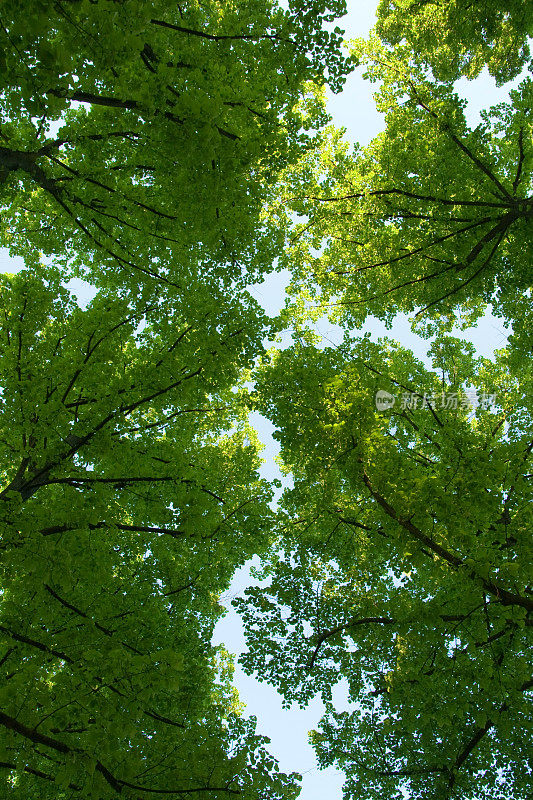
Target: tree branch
{"points": [[39, 645], [217, 38], [504, 596], [352, 624]]}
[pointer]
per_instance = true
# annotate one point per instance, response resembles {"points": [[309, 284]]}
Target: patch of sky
{"points": [[81, 290], [482, 93], [288, 728]]}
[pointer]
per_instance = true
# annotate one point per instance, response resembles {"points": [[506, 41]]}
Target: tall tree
{"points": [[404, 552], [126, 507], [134, 143], [136, 152], [458, 37], [432, 217], [404, 566]]}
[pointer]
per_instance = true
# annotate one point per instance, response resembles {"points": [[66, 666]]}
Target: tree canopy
{"points": [[403, 562], [432, 217], [461, 38], [134, 144], [171, 156], [136, 153], [405, 565], [126, 507]]}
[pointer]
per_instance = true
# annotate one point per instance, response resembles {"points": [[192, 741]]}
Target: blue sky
{"points": [[287, 729]]}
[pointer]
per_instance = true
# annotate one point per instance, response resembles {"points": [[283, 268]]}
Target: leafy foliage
{"points": [[167, 154], [431, 216], [457, 37], [133, 140], [402, 570], [125, 512], [405, 569], [136, 153]]}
